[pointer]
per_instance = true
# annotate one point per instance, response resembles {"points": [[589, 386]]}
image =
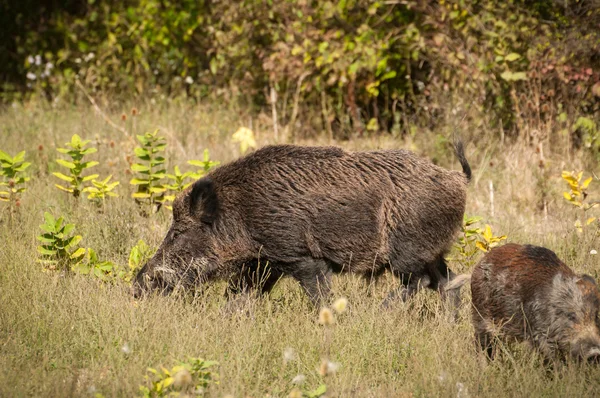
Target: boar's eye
{"points": [[572, 317], [175, 234]]}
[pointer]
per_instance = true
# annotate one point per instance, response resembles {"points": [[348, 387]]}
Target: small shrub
{"points": [[76, 166], [474, 240], [100, 190], [189, 377], [12, 170], [205, 165], [178, 185], [150, 170], [59, 248], [140, 253], [102, 270], [578, 197], [487, 240]]}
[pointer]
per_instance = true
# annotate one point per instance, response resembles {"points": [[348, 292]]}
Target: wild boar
{"points": [[309, 212], [526, 293]]}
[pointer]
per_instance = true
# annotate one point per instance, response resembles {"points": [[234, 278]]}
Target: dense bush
{"points": [[371, 65]]}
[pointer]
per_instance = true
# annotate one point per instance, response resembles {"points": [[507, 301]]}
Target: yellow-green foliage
{"points": [[59, 249], [474, 239], [578, 197], [91, 265], [12, 170], [100, 190], [62, 333], [205, 165], [139, 254], [178, 184], [190, 377], [150, 170], [76, 166]]}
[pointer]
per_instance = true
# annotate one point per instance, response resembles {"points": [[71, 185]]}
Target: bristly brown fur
{"points": [[526, 293], [311, 211]]}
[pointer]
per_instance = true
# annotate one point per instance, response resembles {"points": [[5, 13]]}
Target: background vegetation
{"points": [[346, 67], [124, 103]]}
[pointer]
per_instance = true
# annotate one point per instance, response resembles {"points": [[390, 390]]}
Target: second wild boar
{"points": [[310, 212], [526, 293]]}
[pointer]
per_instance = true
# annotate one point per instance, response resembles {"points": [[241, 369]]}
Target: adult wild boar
{"points": [[526, 293], [309, 212]]}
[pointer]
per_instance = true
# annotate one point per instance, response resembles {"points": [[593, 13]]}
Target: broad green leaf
{"points": [[73, 241], [567, 196], [139, 167], [512, 57], [586, 183], [19, 157], [590, 220], [66, 163], [140, 195], [68, 228], [50, 220], [78, 253], [141, 152], [63, 177], [137, 181], [23, 166], [89, 164], [90, 177], [45, 238], [4, 156], [44, 251]]}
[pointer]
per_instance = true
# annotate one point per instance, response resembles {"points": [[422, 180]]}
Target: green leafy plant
{"points": [[466, 244], [100, 190], [12, 170], [205, 165], [474, 239], [192, 376], [150, 169], [59, 248], [139, 254], [578, 197], [102, 270], [178, 184], [486, 239], [76, 166]]}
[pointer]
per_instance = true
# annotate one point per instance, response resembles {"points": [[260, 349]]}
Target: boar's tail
{"points": [[459, 150], [457, 282]]}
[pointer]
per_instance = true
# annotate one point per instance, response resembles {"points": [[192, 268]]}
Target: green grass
{"points": [[63, 335]]}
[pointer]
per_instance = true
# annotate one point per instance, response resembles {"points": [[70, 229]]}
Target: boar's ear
{"points": [[588, 278], [203, 200]]}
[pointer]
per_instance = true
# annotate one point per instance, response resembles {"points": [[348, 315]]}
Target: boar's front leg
{"points": [[314, 276], [253, 277]]}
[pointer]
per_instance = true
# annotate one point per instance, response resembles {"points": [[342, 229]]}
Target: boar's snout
{"points": [[148, 280], [587, 349], [594, 357]]}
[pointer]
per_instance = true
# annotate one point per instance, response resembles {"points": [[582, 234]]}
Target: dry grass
{"points": [[62, 335]]}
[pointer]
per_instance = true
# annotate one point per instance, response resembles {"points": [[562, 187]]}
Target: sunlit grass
{"points": [[70, 335]]}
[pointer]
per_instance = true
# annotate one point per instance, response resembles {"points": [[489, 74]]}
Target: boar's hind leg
{"points": [[314, 276]]}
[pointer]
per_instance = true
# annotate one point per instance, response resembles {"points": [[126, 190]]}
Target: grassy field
{"points": [[72, 335]]}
